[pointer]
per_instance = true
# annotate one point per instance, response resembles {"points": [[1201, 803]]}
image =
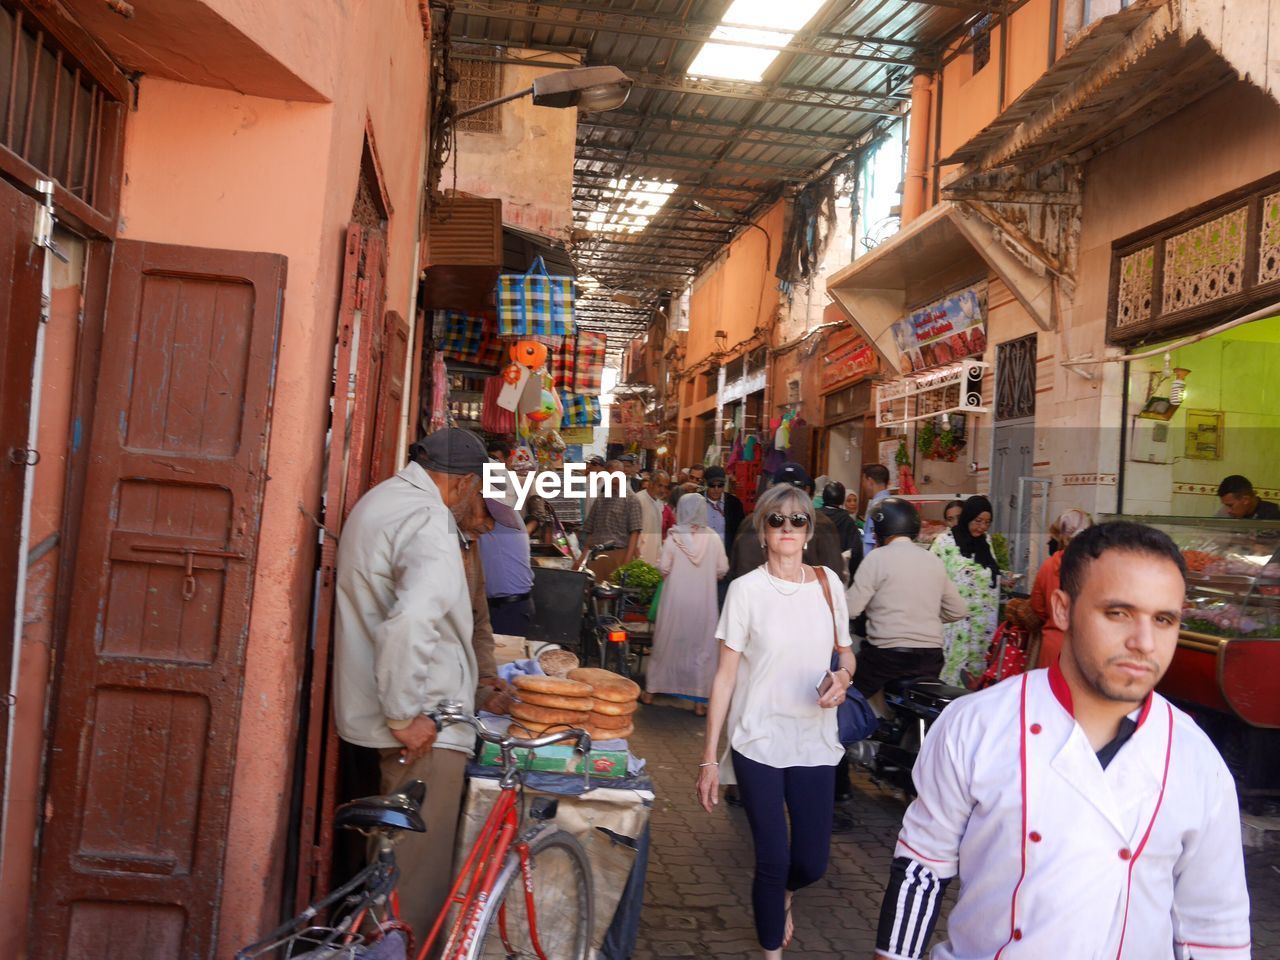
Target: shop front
{"points": [[1194, 305], [846, 365]]}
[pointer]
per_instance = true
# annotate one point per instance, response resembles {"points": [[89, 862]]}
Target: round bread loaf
{"points": [[607, 685], [606, 721], [538, 714], [557, 663], [601, 734], [581, 704], [559, 686], [615, 709]]}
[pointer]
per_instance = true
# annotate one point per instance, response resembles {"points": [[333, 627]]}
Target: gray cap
{"points": [[627, 458], [451, 451]]}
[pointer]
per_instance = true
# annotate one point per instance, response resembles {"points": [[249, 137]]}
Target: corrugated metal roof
{"points": [[736, 146]]}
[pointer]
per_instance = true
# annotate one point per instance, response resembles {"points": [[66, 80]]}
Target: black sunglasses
{"points": [[798, 520], [716, 483]]}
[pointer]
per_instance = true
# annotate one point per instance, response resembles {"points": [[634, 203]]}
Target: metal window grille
{"points": [[981, 34], [478, 82], [1016, 379], [55, 116]]}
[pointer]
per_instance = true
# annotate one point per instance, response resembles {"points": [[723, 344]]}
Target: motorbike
{"points": [[890, 753]]}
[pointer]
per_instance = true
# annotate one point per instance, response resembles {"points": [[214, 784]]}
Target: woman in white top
{"points": [[778, 626]]}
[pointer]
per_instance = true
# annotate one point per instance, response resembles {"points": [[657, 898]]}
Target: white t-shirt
{"points": [[785, 642]]}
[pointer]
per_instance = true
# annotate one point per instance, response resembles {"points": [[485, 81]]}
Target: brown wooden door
{"points": [[149, 686], [386, 432], [21, 267]]}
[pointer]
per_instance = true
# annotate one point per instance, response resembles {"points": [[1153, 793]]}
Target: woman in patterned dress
{"points": [[966, 552]]}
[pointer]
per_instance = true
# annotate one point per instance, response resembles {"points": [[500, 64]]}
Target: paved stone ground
{"points": [[698, 895]]}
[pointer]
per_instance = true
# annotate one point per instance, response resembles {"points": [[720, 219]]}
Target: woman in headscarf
{"points": [[685, 652], [1036, 613], [972, 567]]}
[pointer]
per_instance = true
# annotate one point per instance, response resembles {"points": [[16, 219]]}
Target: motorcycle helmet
{"points": [[894, 517]]}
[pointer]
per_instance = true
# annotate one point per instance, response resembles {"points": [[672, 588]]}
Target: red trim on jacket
{"points": [[1142, 845], [1022, 763]]}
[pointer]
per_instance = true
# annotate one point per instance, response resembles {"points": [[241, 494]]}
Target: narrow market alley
{"points": [[698, 895]]}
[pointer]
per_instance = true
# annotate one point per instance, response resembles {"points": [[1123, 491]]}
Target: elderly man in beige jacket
{"points": [[403, 645]]}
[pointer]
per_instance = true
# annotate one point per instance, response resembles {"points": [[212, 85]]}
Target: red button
{"points": [[1125, 854], [1017, 934], [1035, 728], [1033, 837]]}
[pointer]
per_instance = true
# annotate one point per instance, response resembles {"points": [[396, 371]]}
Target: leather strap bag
{"points": [[854, 718]]}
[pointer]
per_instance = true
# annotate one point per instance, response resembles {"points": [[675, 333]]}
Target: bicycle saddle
{"points": [[926, 687], [606, 591], [395, 811]]}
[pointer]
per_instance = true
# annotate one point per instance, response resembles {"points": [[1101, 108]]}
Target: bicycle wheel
{"points": [[560, 885]]}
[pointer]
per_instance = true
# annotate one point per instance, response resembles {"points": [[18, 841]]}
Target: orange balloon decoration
{"points": [[511, 374], [529, 353]]}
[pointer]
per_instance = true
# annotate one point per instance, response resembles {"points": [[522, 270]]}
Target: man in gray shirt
{"points": [[403, 644], [907, 596]]}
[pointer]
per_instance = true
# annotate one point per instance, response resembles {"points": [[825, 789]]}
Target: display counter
{"points": [[1228, 656]]}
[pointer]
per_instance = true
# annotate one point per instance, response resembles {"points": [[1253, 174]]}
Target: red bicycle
{"points": [[524, 892]]}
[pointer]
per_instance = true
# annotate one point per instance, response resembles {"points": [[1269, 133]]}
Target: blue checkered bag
{"points": [[535, 304], [580, 410], [459, 335]]}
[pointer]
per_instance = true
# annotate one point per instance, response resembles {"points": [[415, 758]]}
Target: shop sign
{"points": [[583, 436], [851, 359], [950, 329]]}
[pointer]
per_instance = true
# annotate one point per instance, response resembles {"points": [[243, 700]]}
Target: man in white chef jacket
{"points": [[1087, 818]]}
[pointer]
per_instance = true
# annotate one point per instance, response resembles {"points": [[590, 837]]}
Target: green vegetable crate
{"points": [[562, 758]]}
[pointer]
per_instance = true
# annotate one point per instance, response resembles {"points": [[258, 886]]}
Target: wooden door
{"points": [[148, 694], [21, 269], [386, 430]]}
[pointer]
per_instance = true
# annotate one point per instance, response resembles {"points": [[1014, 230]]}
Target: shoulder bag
{"points": [[854, 718]]}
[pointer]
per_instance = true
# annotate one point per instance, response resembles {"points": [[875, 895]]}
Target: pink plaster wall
{"points": [[212, 168]]}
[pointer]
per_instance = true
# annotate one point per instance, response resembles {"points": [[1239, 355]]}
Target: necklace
{"points": [[774, 581]]}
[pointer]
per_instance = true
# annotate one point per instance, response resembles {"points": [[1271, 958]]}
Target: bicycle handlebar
{"points": [[448, 712]]}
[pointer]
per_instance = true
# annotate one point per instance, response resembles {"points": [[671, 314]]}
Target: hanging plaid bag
{"points": [[1007, 655], [588, 364], [562, 361], [459, 335], [535, 304], [580, 411]]}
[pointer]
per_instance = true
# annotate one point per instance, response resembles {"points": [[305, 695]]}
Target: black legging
{"points": [[785, 860]]}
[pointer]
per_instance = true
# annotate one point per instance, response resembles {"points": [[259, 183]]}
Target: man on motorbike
{"points": [[907, 596]]}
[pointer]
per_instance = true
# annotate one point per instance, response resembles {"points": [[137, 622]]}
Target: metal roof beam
{"points": [[826, 45], [817, 141], [673, 118], [637, 154], [630, 165], [816, 98], [699, 188]]}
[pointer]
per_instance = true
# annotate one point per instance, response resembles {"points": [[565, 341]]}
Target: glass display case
{"points": [[1229, 648]]}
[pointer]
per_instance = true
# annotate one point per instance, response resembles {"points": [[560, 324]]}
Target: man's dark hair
{"points": [[500, 450], [698, 466], [833, 494], [876, 473], [1235, 485], [1091, 543]]}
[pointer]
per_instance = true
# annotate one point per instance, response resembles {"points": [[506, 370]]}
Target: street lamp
{"points": [[587, 88]]}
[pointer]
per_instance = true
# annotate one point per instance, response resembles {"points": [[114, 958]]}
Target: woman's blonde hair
{"points": [[785, 499], [1068, 524]]}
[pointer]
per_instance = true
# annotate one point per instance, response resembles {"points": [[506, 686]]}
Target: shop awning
{"points": [[947, 247]]}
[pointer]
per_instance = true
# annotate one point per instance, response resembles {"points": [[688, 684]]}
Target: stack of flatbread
{"points": [[598, 701]]}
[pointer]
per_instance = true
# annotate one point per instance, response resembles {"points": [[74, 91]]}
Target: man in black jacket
{"points": [[850, 536], [824, 550], [724, 510]]}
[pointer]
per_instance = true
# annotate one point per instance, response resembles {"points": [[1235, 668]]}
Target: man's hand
{"points": [[493, 695], [418, 738]]}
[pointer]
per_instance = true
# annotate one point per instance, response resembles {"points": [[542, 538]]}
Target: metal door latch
{"points": [[24, 456], [190, 554]]}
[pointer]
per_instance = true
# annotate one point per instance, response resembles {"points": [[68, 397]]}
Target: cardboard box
{"points": [[561, 758]]}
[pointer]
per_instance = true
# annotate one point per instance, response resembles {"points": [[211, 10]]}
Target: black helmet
{"points": [[894, 517]]}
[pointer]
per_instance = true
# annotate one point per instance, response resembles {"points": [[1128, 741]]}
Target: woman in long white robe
{"points": [[685, 651]]}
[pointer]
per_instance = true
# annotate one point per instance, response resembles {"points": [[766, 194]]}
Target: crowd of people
{"points": [[1071, 783]]}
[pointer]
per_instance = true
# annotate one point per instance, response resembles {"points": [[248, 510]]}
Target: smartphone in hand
{"points": [[824, 684]]}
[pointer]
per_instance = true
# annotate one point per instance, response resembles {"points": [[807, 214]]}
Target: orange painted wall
{"points": [[738, 293], [280, 177]]}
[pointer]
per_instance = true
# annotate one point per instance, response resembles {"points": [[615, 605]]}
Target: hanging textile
{"points": [[588, 364], [562, 363], [580, 410], [492, 350], [459, 335], [493, 417], [535, 304]]}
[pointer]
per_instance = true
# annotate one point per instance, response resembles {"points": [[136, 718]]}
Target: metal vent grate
{"points": [[479, 81]]}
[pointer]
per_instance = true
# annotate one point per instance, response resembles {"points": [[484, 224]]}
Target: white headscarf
{"points": [[690, 525]]}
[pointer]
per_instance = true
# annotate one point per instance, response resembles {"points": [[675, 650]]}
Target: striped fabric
{"points": [[909, 911], [562, 364], [580, 410], [588, 363], [535, 304], [493, 352], [458, 335]]}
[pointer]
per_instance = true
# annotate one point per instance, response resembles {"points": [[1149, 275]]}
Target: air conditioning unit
{"points": [[462, 253]]}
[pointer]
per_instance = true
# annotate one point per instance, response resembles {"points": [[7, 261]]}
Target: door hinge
{"points": [[42, 231]]}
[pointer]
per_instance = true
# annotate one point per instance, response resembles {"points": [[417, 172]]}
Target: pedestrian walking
{"points": [[652, 500], [875, 487], [1085, 815], [1037, 613], [850, 536], [774, 697], [403, 644], [747, 552], [966, 553], [684, 657]]}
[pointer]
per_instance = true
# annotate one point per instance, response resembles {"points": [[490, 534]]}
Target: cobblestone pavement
{"points": [[698, 895]]}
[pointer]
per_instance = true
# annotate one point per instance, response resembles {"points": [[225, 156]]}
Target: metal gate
{"points": [[148, 697]]}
